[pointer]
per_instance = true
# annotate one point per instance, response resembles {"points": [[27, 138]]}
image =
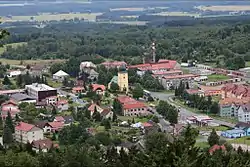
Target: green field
{"points": [[242, 140], [217, 77], [50, 17], [139, 23], [176, 14], [202, 144], [30, 62], [209, 128], [14, 45], [247, 63]]}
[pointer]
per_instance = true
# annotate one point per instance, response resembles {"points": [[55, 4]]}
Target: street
{"points": [[73, 97], [184, 113]]}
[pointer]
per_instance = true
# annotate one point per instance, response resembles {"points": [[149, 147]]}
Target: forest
{"points": [[226, 45]]}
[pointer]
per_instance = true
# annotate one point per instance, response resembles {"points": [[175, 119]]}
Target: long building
{"points": [[40, 91]]}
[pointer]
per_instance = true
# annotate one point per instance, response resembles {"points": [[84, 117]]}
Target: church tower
{"points": [[123, 79]]}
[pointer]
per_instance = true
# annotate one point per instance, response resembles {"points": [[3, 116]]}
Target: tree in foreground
{"points": [[213, 138], [9, 123], [6, 81], [137, 91], [7, 136]]}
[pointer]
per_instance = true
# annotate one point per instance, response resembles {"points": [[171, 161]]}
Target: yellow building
{"points": [[123, 80]]}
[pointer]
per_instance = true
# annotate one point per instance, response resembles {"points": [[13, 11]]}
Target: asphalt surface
{"points": [[184, 113], [72, 96]]}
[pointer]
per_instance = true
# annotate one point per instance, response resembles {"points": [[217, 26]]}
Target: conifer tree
{"points": [[9, 123], [213, 138], [6, 81]]}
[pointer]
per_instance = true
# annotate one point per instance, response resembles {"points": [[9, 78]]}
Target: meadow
{"points": [[50, 17], [221, 8], [176, 14], [30, 62], [14, 45]]}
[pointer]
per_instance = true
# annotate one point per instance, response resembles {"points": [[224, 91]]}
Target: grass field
{"points": [[176, 14], [225, 8], [14, 45], [210, 128], [242, 140], [217, 77], [247, 63], [202, 144], [126, 22], [50, 17], [127, 9], [30, 62]]}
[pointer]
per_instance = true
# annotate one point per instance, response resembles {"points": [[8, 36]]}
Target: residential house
{"points": [[104, 111], [40, 91], [51, 100], [195, 91], [114, 64], [78, 90], [132, 107], [60, 76], [62, 105], [244, 113], [25, 132], [38, 70], [11, 107], [93, 75], [41, 125], [11, 92], [234, 133], [66, 120], [236, 91], [22, 98], [201, 78], [53, 127], [210, 90], [229, 106], [43, 145], [99, 89]]}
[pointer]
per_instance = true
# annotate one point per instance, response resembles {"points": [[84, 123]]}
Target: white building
{"points": [[14, 73], [40, 91], [201, 78], [27, 133], [60, 75], [244, 113]]}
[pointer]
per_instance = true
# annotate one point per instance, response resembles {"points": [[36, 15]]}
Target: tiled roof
{"points": [[162, 64], [40, 124], [193, 91], [9, 102], [229, 101], [56, 125], [92, 107], [24, 126], [217, 147], [97, 86], [167, 72], [79, 88], [180, 76], [130, 103], [61, 102], [105, 112], [59, 119], [42, 144], [146, 124]]}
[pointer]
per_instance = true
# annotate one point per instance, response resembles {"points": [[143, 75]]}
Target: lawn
{"points": [[50, 17], [247, 63], [242, 140], [53, 84], [209, 128], [217, 77], [30, 62], [202, 144], [14, 45]]}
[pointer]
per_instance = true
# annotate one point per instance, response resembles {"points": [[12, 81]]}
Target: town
{"points": [[37, 105]]}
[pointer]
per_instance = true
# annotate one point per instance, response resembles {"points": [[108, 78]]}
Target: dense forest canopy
{"points": [[221, 44]]}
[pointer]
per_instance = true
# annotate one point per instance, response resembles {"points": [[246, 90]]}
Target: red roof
{"points": [[97, 86], [62, 102], [217, 147], [162, 64], [59, 119], [146, 124], [79, 88], [167, 72], [130, 103], [56, 125], [9, 102], [114, 63], [24, 126], [193, 91], [92, 107], [43, 144]]}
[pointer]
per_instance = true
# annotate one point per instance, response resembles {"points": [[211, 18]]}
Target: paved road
{"points": [[184, 113], [73, 97]]}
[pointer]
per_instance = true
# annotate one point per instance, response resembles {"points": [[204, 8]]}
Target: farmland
{"points": [[176, 14], [57, 17], [221, 8], [30, 62]]}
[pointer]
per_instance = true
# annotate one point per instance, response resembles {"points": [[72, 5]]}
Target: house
{"points": [[62, 105], [93, 75], [167, 73], [60, 76], [235, 91], [66, 120], [22, 98], [43, 145], [78, 90], [216, 147], [210, 90], [229, 106], [41, 125], [14, 73], [201, 78], [195, 91], [104, 111], [11, 107], [25, 132], [53, 127], [11, 92], [132, 107], [114, 64], [244, 113], [234, 133], [171, 82], [87, 66], [40, 91], [99, 89], [38, 70]]}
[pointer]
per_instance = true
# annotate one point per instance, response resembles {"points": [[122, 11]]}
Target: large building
{"points": [[114, 64], [40, 91], [25, 133], [235, 91], [244, 113], [132, 107]]}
